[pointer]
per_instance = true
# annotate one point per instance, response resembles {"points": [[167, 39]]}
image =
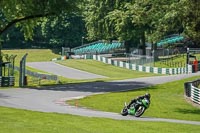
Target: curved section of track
{"points": [[52, 99]]}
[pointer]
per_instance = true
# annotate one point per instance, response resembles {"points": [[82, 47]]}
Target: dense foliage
{"points": [[56, 23], [32, 16], [142, 20]]}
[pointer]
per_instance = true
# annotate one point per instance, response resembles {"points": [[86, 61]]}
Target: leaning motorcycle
{"points": [[136, 109]]}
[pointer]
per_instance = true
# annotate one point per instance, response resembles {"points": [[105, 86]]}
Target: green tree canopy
{"points": [[133, 21], [26, 13], [142, 20]]}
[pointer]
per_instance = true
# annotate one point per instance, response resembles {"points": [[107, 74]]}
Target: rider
{"points": [[147, 95]]}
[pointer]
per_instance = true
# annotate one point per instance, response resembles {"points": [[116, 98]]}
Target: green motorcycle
{"points": [[136, 109]]}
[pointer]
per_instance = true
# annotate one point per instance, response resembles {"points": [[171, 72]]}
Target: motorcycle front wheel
{"points": [[139, 111], [124, 111]]}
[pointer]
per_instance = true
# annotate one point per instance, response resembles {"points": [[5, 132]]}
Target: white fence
{"points": [[170, 71], [192, 91]]}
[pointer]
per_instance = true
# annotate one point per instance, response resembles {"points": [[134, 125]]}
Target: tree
{"points": [[123, 28], [127, 20], [94, 13], [26, 13], [108, 19], [177, 16], [64, 31], [140, 13], [191, 13]]}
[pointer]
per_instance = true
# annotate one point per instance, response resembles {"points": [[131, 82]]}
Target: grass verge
{"points": [[34, 55], [37, 55], [167, 101], [22, 121], [107, 70]]}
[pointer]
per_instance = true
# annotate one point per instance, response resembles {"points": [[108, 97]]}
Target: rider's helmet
{"points": [[147, 95]]}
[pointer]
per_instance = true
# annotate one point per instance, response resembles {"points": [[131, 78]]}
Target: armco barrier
{"points": [[192, 91], [40, 76], [168, 71]]}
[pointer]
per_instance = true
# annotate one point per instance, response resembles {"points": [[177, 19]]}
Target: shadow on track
{"points": [[97, 86]]}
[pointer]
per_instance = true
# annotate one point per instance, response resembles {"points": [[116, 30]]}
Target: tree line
{"points": [[57, 23]]}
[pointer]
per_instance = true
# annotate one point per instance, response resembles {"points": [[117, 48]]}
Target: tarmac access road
{"points": [[52, 98]]}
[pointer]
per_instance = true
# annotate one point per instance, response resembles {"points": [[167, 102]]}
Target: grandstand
{"points": [[170, 40], [98, 47]]}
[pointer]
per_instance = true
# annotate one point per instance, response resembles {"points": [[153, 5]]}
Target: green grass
{"points": [[174, 60], [22, 121], [37, 55], [96, 67], [34, 55], [107, 70], [167, 101]]}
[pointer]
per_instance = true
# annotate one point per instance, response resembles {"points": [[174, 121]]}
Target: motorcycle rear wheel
{"points": [[124, 111], [139, 111]]}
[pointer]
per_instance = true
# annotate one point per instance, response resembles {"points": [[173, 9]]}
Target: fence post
{"points": [[22, 70], [187, 87]]}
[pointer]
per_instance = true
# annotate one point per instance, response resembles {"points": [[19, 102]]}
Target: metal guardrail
{"points": [[39, 75], [192, 91]]}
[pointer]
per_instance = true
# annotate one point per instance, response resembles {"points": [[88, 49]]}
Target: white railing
{"points": [[192, 91], [195, 95]]}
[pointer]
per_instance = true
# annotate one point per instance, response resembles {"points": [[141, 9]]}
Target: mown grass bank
{"points": [[110, 71], [34, 55], [38, 55], [22, 121], [167, 101]]}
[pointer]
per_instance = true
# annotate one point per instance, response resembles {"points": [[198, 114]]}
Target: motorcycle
{"points": [[136, 109]]}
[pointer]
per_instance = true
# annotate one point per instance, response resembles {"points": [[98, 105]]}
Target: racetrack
{"points": [[52, 99], [64, 71]]}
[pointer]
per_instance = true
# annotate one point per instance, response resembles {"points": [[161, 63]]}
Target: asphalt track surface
{"points": [[52, 98], [64, 71]]}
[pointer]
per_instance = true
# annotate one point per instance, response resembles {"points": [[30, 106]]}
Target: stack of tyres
{"points": [[5, 81]]}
